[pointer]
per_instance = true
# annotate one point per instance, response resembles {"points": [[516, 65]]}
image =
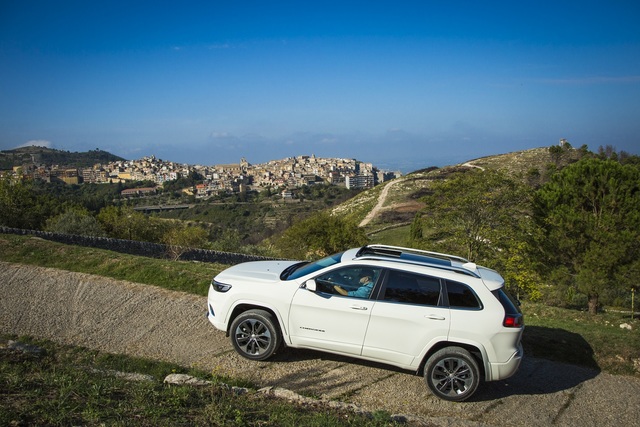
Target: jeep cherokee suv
{"points": [[436, 314]]}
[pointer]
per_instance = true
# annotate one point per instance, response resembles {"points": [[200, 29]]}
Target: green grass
{"points": [[576, 337], [397, 236], [66, 385], [187, 276]]}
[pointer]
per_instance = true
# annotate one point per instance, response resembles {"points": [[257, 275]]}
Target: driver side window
{"points": [[357, 282]]}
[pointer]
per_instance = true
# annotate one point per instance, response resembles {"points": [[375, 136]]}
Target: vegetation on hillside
{"points": [[569, 238], [319, 236], [49, 156], [560, 224], [589, 216]]}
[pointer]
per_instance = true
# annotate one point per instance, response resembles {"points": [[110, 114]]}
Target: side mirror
{"points": [[310, 285]]}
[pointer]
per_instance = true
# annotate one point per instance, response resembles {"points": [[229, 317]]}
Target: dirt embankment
{"points": [[128, 318]]}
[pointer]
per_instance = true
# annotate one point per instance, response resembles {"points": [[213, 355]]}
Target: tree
{"points": [[21, 206], [123, 222], [475, 213], [320, 235], [590, 217], [75, 221], [180, 238], [519, 272]]}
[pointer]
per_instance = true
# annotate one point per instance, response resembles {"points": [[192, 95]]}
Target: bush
{"points": [[320, 235], [75, 221]]}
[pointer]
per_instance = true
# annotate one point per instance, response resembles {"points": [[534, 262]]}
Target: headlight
{"points": [[220, 287]]}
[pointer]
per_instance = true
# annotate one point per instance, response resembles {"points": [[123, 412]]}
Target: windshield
{"points": [[303, 269]]}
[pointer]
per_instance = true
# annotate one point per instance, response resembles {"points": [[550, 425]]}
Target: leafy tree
{"points": [[609, 152], [590, 217], [179, 238], [520, 273], [320, 235], [474, 213], [75, 221], [22, 207], [227, 240], [93, 197], [122, 222]]}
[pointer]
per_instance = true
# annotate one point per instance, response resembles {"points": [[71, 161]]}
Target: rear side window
{"points": [[461, 296], [510, 304], [412, 288]]}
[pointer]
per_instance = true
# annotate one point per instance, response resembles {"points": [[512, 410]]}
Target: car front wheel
{"points": [[255, 335], [452, 374]]}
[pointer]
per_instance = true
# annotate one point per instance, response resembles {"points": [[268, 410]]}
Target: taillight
{"points": [[513, 321]]}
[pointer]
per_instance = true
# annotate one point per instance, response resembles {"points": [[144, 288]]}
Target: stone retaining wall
{"points": [[148, 249]]}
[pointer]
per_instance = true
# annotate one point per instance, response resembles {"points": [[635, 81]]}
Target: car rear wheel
{"points": [[452, 373], [255, 334]]}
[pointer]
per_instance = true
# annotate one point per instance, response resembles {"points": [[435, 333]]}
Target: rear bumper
{"points": [[501, 371]]}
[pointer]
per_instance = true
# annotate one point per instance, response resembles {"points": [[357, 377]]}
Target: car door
{"points": [[406, 318], [325, 320]]}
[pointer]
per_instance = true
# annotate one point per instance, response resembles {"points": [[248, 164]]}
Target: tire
{"points": [[452, 374], [255, 334]]}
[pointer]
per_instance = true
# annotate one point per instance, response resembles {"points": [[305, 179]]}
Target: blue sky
{"points": [[402, 84]]}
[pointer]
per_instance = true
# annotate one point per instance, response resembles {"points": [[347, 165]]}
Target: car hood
{"points": [[264, 271]]}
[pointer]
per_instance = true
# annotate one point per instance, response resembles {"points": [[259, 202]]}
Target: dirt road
{"points": [[129, 318], [382, 198]]}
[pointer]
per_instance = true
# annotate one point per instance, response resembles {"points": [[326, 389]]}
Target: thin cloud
{"points": [[36, 143], [217, 46], [221, 135]]}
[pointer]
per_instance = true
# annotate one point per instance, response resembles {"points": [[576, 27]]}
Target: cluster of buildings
{"points": [[285, 175]]}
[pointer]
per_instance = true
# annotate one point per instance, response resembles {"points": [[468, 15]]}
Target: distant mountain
{"points": [[49, 156]]}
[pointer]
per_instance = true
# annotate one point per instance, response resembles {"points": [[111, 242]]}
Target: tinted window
{"points": [[412, 288], [510, 304], [307, 268], [461, 296], [355, 281]]}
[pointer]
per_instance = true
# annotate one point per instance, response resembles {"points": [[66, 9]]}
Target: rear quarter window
{"points": [[510, 304]]}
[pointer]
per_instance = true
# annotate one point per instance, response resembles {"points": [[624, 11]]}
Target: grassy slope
{"points": [[65, 385]]}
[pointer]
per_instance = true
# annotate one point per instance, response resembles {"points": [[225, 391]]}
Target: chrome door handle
{"points": [[358, 307], [434, 317]]}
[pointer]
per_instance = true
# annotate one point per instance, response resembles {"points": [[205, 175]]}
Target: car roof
{"points": [[418, 257]]}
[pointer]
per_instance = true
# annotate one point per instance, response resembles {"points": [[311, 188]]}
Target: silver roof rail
{"points": [[399, 250], [418, 257]]}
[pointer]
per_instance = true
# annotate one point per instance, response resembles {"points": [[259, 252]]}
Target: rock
{"points": [[184, 379], [25, 348]]}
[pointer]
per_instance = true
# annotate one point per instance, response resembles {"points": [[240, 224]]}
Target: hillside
{"points": [[393, 205], [49, 156]]}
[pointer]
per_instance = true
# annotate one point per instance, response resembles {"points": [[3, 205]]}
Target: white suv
{"points": [[432, 313]]}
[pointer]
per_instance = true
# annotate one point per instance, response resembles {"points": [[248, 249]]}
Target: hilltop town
{"points": [[285, 174]]}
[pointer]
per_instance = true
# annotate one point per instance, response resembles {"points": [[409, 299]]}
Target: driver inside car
{"points": [[366, 286]]}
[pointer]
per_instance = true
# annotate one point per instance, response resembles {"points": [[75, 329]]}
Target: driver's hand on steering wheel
{"points": [[340, 290]]}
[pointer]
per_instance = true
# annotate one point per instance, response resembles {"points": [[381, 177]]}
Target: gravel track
{"points": [[128, 318]]}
